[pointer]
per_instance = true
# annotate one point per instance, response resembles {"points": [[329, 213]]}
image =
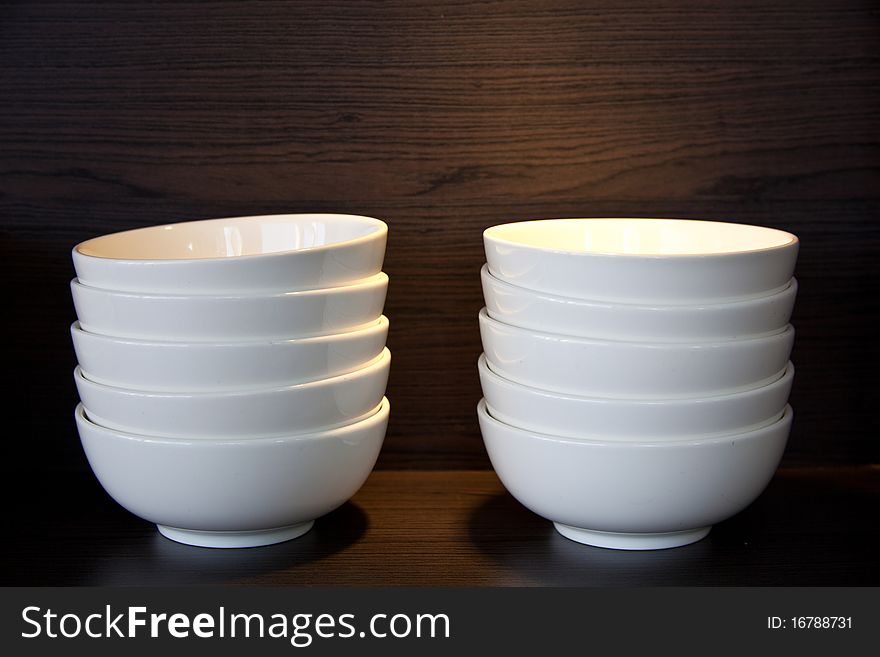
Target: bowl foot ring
{"points": [[235, 539], [622, 541]]}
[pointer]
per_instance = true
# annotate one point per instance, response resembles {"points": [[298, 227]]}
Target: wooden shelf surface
{"points": [[812, 526]]}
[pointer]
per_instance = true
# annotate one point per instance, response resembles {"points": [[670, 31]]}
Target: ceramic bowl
{"points": [[235, 493], [299, 408], [236, 255], [632, 370], [519, 306], [663, 261], [214, 318], [634, 495], [214, 366], [595, 418]]}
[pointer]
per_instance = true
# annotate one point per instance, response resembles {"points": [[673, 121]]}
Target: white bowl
{"points": [[631, 495], [212, 366], [234, 493], [632, 370], [299, 408], [669, 261], [519, 306], [236, 255], [595, 418], [214, 318]]}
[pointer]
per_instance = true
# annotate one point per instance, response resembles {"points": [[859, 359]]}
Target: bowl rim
{"points": [[381, 228], [786, 375], [694, 441], [790, 288], [381, 324], [787, 330], [379, 279], [378, 415], [488, 235], [380, 362]]}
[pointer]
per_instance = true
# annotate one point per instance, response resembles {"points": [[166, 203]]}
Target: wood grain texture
{"points": [[443, 119], [459, 528]]}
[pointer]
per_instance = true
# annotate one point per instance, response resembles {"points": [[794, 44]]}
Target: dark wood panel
{"points": [[808, 528], [446, 118]]}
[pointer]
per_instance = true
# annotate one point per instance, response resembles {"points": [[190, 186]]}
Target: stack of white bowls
{"points": [[636, 373], [232, 372]]}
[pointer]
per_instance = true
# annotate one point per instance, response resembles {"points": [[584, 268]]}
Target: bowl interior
{"points": [[646, 237], [232, 237]]}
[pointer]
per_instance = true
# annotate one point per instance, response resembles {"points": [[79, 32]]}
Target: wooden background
{"points": [[443, 119]]}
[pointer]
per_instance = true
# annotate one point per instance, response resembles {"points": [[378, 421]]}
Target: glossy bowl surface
{"points": [[215, 366], [253, 413], [596, 418], [667, 261], [632, 370], [519, 306], [273, 253], [235, 493], [217, 318], [634, 495]]}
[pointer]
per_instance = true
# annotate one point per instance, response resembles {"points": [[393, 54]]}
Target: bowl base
{"points": [[623, 541], [235, 539]]}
